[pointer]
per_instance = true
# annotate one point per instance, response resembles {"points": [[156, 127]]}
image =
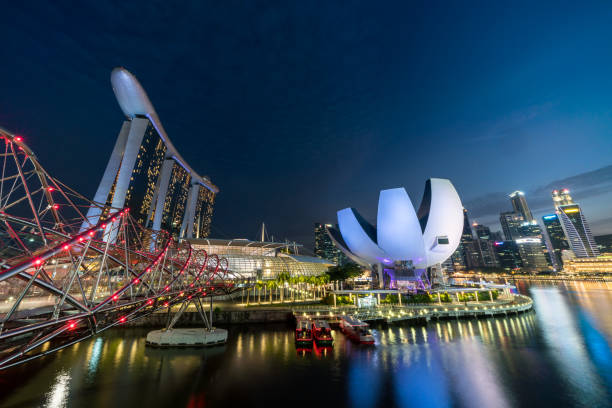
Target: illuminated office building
{"points": [[508, 255], [561, 197], [556, 237], [519, 204], [486, 246], [324, 246], [577, 231], [511, 223], [531, 254], [146, 173]]}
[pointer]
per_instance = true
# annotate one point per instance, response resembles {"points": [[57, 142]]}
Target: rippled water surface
{"points": [[559, 355]]}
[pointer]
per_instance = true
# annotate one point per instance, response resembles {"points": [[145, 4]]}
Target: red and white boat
{"points": [[356, 330], [322, 334], [303, 334]]}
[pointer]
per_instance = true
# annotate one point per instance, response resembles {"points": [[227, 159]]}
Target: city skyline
{"points": [[288, 114]]}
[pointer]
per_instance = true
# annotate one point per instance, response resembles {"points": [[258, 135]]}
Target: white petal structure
{"points": [[354, 230], [398, 229], [441, 212], [425, 238]]}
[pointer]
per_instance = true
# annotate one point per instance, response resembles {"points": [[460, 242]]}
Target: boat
{"points": [[303, 334], [322, 333], [356, 330]]}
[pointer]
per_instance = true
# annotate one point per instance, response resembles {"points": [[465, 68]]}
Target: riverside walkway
{"points": [[512, 304]]}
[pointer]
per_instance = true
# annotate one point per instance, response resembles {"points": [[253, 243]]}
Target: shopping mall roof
{"points": [[241, 242]]}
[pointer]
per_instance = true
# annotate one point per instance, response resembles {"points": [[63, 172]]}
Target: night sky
{"points": [[298, 109]]}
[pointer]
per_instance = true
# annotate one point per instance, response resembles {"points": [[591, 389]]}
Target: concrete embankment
{"points": [[250, 316], [388, 313]]}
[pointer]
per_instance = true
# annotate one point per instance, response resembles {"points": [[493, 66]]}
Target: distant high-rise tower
{"points": [[577, 231], [556, 237], [520, 205], [561, 197], [508, 255], [486, 246], [469, 247], [511, 224], [325, 248]]}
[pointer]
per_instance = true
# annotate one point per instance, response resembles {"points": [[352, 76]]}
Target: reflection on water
{"points": [[559, 355]]}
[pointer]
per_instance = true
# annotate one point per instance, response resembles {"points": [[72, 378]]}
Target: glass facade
{"points": [[143, 180], [325, 248], [511, 223], [508, 255], [176, 199], [556, 236], [261, 260], [203, 213], [577, 231], [519, 204]]}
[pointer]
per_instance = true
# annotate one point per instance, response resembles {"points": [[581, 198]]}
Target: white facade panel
{"points": [[398, 229], [445, 219], [357, 239]]}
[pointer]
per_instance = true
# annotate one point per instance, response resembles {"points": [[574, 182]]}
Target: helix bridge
{"points": [[64, 279]]}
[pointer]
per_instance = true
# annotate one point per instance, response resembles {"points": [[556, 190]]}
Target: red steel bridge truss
{"points": [[64, 279]]}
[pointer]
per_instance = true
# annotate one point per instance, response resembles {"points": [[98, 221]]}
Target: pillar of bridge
{"points": [[138, 127], [189, 217], [93, 214]]}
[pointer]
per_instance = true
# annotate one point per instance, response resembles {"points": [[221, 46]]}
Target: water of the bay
{"points": [[559, 355]]}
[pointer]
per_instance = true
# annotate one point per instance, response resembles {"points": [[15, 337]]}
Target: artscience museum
{"points": [[406, 245]]}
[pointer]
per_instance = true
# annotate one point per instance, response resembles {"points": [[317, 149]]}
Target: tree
{"points": [[344, 272]]}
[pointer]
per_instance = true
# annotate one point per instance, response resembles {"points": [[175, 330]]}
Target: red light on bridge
{"points": [[122, 319], [18, 138], [91, 233], [181, 294], [37, 261], [136, 281], [50, 189], [166, 304], [115, 297], [166, 288], [55, 206], [71, 325], [150, 302], [66, 247]]}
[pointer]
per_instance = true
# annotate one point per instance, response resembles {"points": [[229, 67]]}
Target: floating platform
{"points": [[197, 337]]}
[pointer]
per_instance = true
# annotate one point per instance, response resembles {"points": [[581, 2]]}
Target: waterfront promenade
{"points": [[227, 312]]}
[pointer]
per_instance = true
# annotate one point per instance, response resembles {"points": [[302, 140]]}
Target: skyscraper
{"points": [[532, 256], [486, 246], [508, 255], [469, 247], [511, 223], [146, 174], [531, 229], [519, 204], [577, 231], [561, 197], [325, 248], [556, 237]]}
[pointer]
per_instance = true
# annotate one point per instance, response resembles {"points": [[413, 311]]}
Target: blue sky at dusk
{"points": [[298, 109]]}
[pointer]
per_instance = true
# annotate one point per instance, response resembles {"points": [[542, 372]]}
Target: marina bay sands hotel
{"points": [[147, 174]]}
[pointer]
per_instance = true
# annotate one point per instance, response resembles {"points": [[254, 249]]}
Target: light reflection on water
{"points": [[558, 356]]}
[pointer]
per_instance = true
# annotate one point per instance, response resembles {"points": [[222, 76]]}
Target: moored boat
{"points": [[356, 330], [322, 333], [303, 334]]}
